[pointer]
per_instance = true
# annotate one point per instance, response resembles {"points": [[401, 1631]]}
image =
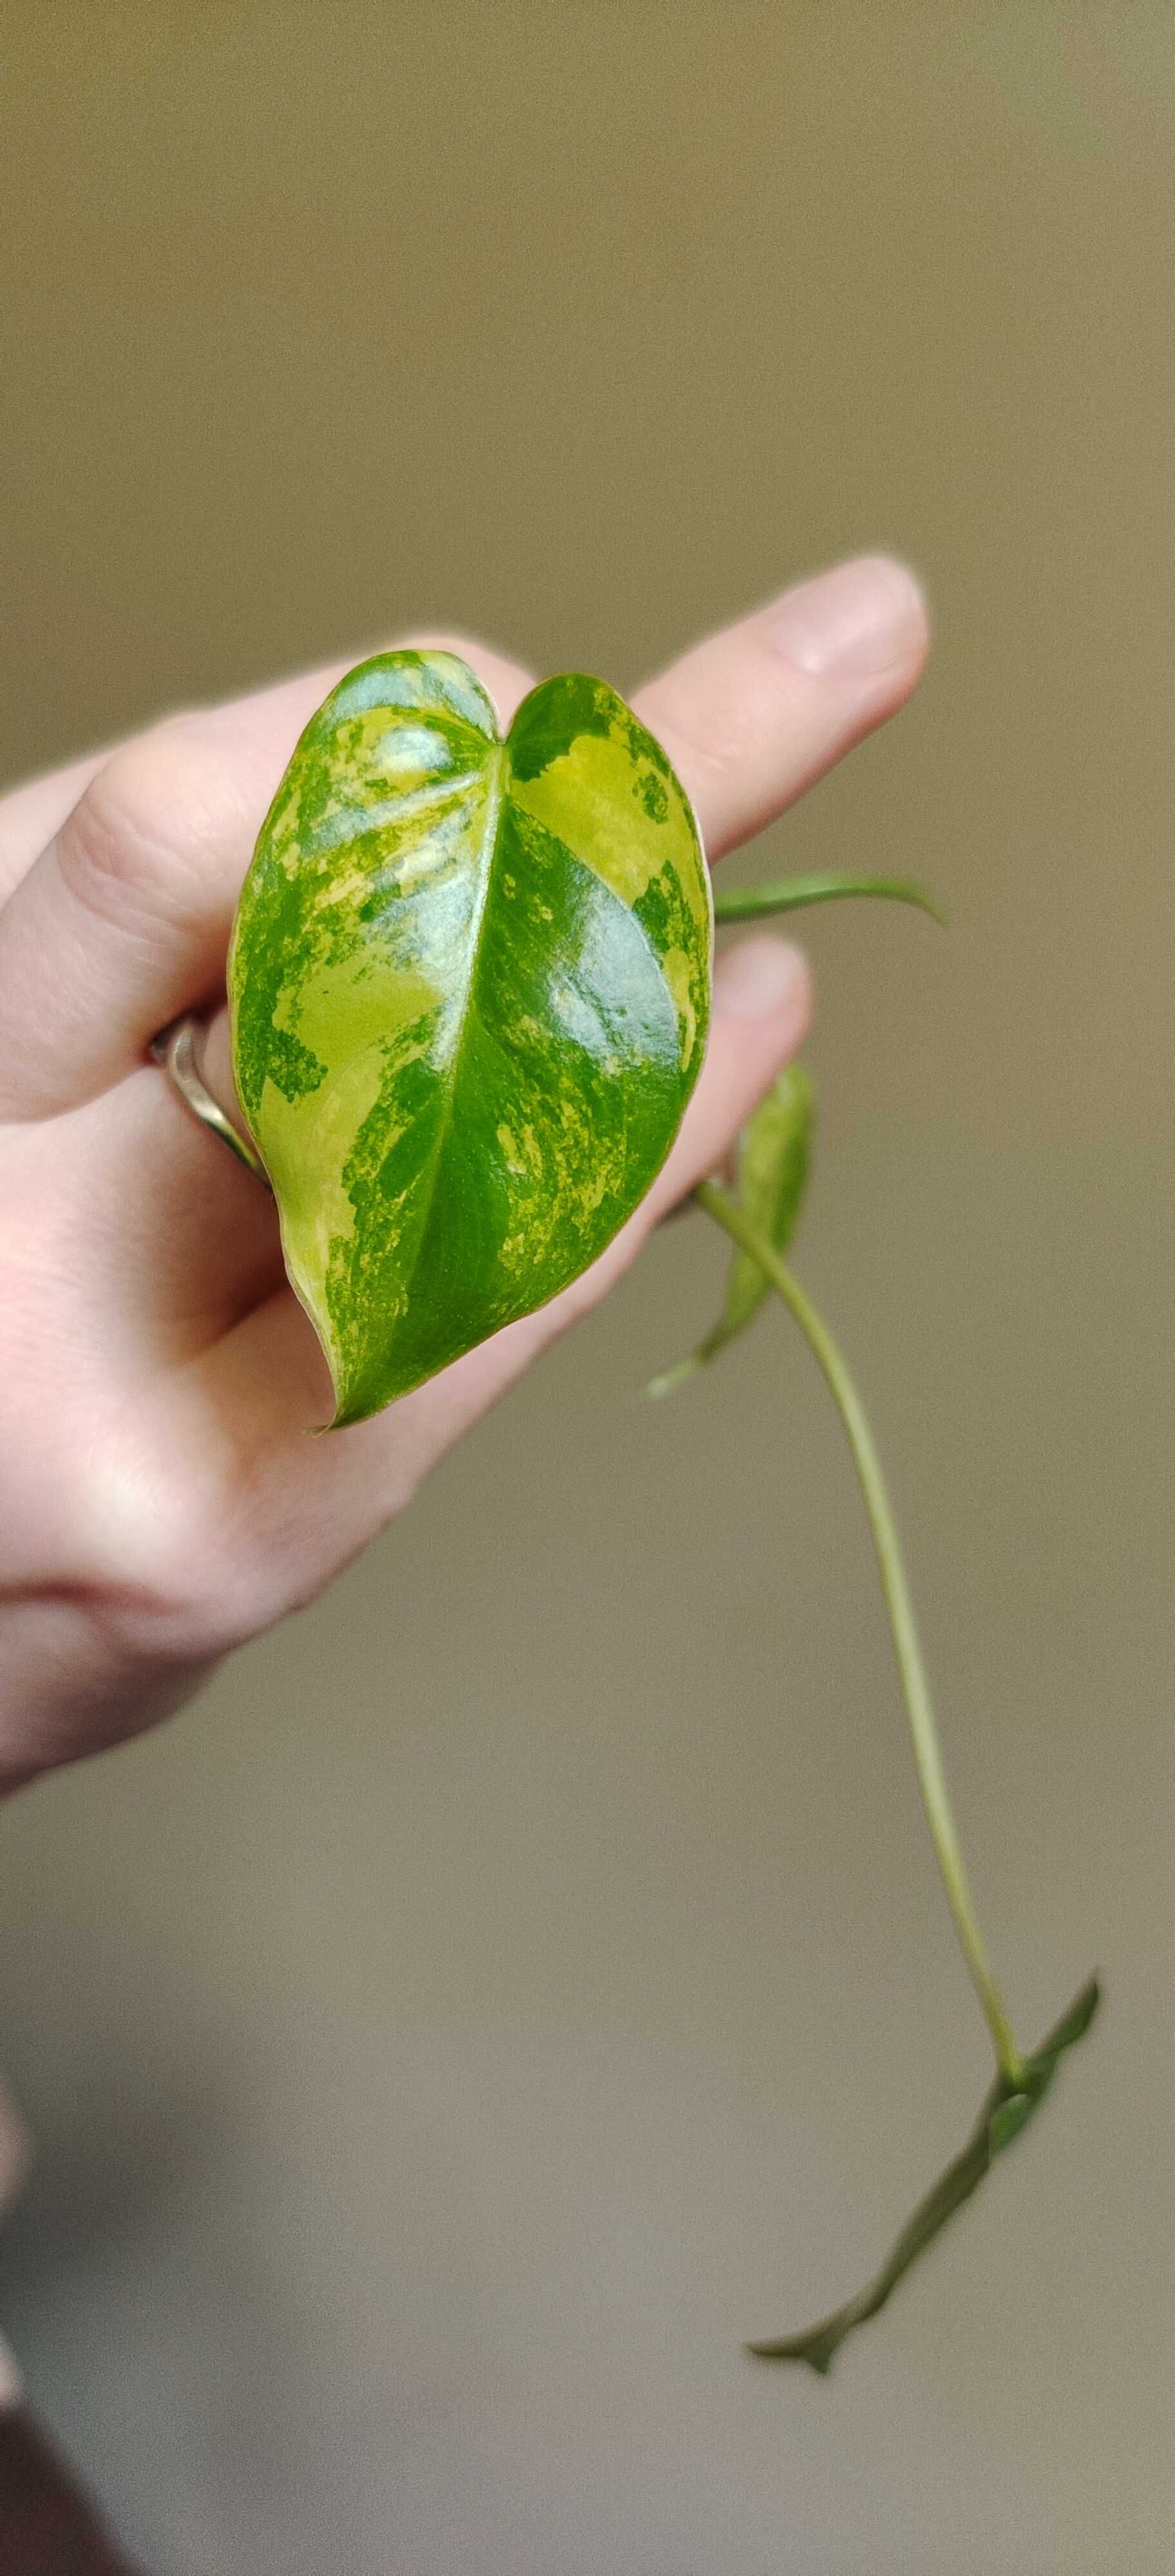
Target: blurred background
{"points": [[525, 1976]]}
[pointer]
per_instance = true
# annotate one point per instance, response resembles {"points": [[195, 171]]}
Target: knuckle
{"points": [[162, 1557], [139, 839]]}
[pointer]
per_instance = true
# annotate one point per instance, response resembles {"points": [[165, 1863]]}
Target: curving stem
{"points": [[915, 1689]]}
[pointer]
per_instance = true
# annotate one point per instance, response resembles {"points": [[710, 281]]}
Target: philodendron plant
{"points": [[470, 987]]}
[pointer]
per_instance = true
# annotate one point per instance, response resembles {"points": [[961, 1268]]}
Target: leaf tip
{"points": [[812, 2349], [668, 1380]]}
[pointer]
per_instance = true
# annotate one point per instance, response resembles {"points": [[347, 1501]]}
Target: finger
{"points": [[750, 717], [32, 813], [754, 716], [195, 1241], [123, 921], [317, 1501]]}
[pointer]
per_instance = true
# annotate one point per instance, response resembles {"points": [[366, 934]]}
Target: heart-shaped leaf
{"points": [[469, 984], [774, 1154]]}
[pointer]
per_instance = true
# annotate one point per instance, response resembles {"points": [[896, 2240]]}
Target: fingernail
{"points": [[848, 624], [756, 978]]}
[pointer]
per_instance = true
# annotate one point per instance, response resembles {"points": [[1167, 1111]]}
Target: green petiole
{"points": [[1020, 2081], [915, 1689]]}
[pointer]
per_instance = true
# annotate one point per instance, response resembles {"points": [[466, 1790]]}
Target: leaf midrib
{"points": [[496, 767]]}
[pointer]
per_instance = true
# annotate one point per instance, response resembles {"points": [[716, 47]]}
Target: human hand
{"points": [[159, 1501]]}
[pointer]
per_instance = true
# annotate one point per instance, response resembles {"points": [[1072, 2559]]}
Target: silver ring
{"points": [[175, 1050]]}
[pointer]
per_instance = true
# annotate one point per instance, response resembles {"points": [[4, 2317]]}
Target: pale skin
{"points": [[160, 1501]]}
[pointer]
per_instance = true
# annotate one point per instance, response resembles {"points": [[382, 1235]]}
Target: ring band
{"points": [[175, 1050]]}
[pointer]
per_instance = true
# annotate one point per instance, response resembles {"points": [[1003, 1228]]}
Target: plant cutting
{"points": [[469, 984]]}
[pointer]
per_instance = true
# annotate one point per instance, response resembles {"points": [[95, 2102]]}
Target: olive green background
{"points": [[525, 1975]]}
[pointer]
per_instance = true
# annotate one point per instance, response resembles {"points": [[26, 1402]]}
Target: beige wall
{"points": [[527, 1975]]}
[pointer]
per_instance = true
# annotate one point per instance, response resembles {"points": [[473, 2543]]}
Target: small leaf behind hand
{"points": [[774, 1157], [469, 985]]}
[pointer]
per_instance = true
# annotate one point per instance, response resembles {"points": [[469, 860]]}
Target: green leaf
{"points": [[1006, 2111], [470, 987], [792, 894], [775, 1152], [774, 1155]]}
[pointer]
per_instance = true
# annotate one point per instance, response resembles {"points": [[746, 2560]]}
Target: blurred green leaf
{"points": [[1006, 2111], [791, 894], [774, 1154]]}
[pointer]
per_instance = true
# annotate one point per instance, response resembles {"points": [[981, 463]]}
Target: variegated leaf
{"points": [[773, 1158], [469, 985]]}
